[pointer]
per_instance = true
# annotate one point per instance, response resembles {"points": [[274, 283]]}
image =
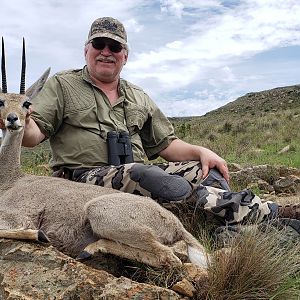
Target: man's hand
{"points": [[32, 133], [27, 119], [179, 150], [209, 160]]}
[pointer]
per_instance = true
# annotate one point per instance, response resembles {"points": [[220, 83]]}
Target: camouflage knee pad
{"points": [[162, 185], [216, 179]]}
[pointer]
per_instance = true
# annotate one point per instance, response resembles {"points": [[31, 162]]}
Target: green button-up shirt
{"points": [[76, 116]]}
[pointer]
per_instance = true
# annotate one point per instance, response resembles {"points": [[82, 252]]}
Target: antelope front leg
{"points": [[166, 257], [24, 234], [121, 250]]}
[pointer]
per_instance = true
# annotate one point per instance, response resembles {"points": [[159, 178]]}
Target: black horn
{"points": [[22, 84], [3, 71]]}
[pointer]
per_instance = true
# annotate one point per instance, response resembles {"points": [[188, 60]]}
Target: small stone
{"points": [[284, 149], [184, 287], [180, 250], [193, 272]]}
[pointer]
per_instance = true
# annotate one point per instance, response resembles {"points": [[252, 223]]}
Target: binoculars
{"points": [[119, 148]]}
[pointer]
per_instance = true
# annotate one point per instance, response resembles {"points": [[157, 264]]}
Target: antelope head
{"points": [[14, 107]]}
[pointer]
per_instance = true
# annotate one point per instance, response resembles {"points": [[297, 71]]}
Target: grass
{"points": [[246, 140], [36, 160], [257, 266]]}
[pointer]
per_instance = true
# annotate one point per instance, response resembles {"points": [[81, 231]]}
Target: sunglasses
{"points": [[113, 46]]}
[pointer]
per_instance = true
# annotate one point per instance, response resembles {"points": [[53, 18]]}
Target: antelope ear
{"points": [[34, 89]]}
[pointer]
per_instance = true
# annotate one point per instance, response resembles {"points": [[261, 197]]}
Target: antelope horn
{"points": [[22, 84], [3, 71]]}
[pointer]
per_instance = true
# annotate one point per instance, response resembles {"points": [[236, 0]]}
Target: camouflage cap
{"points": [[109, 28]]}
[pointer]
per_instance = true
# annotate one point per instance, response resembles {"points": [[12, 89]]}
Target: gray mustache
{"points": [[105, 59]]}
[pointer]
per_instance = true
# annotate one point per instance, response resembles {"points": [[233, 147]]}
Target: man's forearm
{"points": [[179, 150], [32, 135]]}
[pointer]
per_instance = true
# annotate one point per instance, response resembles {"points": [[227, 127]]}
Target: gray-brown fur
{"points": [[77, 218]]}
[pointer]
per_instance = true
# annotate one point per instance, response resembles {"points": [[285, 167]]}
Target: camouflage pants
{"points": [[179, 182]]}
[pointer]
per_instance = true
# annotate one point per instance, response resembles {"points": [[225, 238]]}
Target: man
{"points": [[80, 110]]}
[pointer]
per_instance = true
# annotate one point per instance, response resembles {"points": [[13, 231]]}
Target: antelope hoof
{"points": [[84, 255], [42, 237]]}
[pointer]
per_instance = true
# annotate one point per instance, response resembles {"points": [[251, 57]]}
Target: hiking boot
{"points": [[291, 211]]}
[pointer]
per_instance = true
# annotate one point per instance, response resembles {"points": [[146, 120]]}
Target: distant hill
{"points": [[256, 103], [281, 98], [252, 129]]}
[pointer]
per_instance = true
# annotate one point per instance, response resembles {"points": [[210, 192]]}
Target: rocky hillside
{"points": [[34, 272], [253, 129], [274, 100], [253, 104]]}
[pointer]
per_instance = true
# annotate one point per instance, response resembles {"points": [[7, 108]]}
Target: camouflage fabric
{"points": [[234, 207], [178, 182], [109, 28], [140, 179], [289, 230]]}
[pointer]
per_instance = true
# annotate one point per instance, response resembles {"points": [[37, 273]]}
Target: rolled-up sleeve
{"points": [[157, 132], [48, 107]]}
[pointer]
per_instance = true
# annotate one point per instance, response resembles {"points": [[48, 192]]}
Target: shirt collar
{"points": [[86, 77]]}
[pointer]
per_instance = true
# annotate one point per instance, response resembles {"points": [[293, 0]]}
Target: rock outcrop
{"points": [[280, 184], [32, 272]]}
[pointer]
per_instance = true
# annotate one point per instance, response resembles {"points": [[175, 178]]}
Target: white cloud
{"points": [[239, 33], [175, 7], [132, 25], [180, 8], [177, 47]]}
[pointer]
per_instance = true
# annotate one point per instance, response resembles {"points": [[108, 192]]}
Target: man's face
{"points": [[105, 63]]}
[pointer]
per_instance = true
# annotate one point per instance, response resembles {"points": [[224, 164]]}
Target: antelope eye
{"points": [[26, 104], [2, 103]]}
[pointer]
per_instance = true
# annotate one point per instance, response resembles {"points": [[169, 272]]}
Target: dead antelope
{"points": [[79, 219]]}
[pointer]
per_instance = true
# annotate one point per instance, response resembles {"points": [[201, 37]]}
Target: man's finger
{"points": [[205, 170], [225, 172]]}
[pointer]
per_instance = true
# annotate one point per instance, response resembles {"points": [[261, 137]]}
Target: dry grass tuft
{"points": [[257, 266], [160, 277]]}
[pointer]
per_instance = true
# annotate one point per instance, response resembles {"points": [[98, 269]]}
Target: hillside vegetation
{"points": [[251, 130]]}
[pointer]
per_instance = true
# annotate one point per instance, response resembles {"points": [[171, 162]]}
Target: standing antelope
{"points": [[79, 219]]}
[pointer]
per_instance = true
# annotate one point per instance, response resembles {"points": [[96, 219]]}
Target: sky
{"points": [[190, 56]]}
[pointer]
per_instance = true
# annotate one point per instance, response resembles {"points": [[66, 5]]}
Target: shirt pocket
{"points": [[136, 117], [78, 95]]}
